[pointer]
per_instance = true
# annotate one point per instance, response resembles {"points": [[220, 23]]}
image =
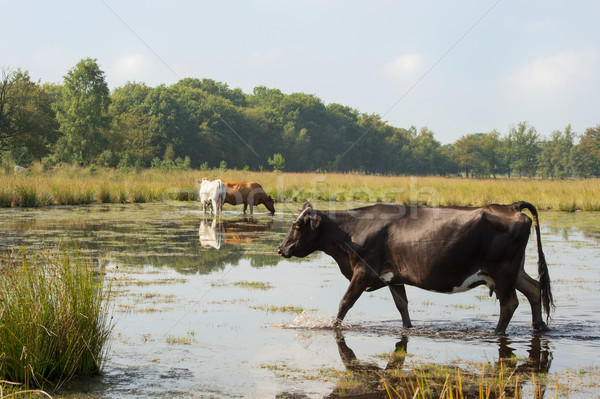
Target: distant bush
{"points": [[107, 159], [167, 165]]}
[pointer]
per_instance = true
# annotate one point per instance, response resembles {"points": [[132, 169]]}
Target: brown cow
{"points": [[247, 193]]}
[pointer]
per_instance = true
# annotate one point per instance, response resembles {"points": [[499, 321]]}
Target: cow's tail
{"points": [[544, 276]]}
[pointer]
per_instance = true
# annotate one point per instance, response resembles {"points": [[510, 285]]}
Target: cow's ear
{"points": [[315, 222], [306, 205]]}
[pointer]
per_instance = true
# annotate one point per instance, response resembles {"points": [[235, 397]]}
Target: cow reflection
{"points": [[246, 230], [371, 377], [353, 364], [211, 234]]}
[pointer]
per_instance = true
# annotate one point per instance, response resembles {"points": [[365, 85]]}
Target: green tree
{"points": [[426, 153], [524, 149], [83, 113], [277, 162], [467, 153], [134, 129], [587, 153], [491, 153], [556, 158], [27, 120]]}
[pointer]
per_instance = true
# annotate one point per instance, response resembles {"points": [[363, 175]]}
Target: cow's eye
{"points": [[296, 225]]}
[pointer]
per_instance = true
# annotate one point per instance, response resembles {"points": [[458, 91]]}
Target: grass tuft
{"points": [[54, 322]]}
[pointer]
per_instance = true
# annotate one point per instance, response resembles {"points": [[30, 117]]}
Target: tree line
{"points": [[201, 123]]}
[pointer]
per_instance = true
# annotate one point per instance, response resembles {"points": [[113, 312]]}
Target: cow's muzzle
{"points": [[285, 252]]}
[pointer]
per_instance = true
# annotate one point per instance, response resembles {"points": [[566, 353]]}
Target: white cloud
{"points": [[406, 65], [264, 58], [129, 65], [554, 73]]}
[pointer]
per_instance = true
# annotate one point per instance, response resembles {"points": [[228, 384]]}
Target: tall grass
{"points": [[73, 185], [54, 322]]}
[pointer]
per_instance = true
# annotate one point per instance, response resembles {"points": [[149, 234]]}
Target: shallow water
{"points": [[191, 319]]}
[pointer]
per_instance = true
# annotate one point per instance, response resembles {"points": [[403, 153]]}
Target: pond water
{"points": [[206, 308]]}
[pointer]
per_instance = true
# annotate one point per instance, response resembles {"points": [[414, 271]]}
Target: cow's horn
{"points": [[307, 208], [306, 205]]}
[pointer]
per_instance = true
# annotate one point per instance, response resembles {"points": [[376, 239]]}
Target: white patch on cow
{"points": [[473, 279], [387, 276]]}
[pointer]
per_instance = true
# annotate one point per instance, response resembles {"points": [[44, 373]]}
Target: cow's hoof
{"points": [[337, 324], [541, 327], [500, 333]]}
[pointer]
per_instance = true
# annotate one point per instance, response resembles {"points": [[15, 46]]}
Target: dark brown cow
{"points": [[248, 193], [442, 249]]}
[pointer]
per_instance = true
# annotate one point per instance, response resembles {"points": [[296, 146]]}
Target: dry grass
{"points": [[73, 185]]}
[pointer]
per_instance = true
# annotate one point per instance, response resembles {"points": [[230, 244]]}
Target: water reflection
{"points": [[372, 378], [168, 235], [211, 235], [217, 232]]}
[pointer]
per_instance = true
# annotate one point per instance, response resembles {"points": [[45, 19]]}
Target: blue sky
{"points": [[456, 67]]}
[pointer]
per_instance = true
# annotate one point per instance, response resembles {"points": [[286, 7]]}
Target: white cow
{"points": [[20, 170], [211, 235], [212, 193]]}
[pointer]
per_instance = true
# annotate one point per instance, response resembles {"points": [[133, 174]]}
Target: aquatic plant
{"points": [[54, 321]]}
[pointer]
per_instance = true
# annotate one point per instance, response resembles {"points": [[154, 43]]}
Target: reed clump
{"points": [[54, 320], [71, 185]]}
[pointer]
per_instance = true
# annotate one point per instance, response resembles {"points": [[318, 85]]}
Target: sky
{"points": [[455, 67]]}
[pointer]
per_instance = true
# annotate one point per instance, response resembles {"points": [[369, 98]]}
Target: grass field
{"points": [[75, 186]]}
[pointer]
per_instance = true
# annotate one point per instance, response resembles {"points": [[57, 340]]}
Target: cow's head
{"points": [[268, 203], [303, 237]]}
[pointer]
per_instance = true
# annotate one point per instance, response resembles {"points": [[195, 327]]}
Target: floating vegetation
{"points": [[254, 285], [282, 309], [163, 281]]}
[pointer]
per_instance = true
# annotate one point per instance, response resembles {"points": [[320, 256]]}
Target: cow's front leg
{"points": [[357, 286], [401, 301], [245, 207]]}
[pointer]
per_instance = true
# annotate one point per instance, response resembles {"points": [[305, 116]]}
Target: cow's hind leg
{"points": [[508, 304], [531, 289], [401, 301], [219, 206]]}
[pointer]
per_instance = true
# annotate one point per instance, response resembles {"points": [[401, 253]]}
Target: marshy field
{"points": [[78, 186], [204, 307]]}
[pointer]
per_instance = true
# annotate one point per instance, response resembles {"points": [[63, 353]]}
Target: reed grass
{"points": [[54, 323], [74, 186]]}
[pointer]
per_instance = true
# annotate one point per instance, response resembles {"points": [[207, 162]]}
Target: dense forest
{"points": [[205, 124]]}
